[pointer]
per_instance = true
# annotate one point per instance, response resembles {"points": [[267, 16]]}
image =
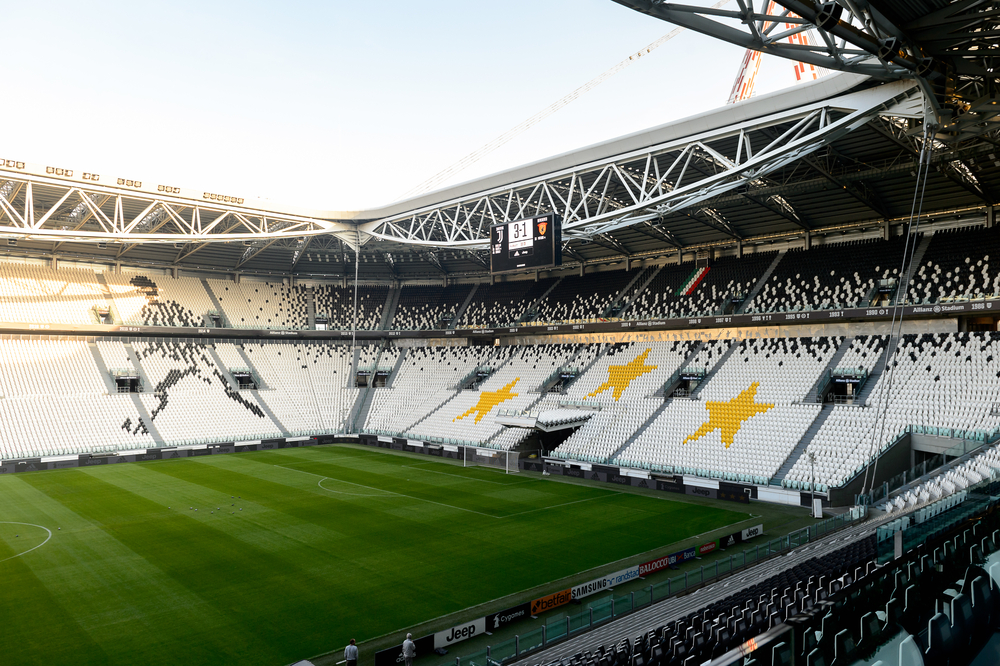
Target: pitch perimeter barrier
{"points": [[613, 606], [165, 453]]}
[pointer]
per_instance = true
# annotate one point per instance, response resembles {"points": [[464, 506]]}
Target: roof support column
{"points": [[991, 214]]}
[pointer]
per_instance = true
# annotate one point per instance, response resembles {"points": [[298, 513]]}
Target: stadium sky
{"points": [[337, 105]]}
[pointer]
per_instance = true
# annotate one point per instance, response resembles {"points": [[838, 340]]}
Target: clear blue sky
{"points": [[336, 104]]}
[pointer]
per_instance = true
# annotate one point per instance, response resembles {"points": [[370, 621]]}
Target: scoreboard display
{"points": [[535, 242]]}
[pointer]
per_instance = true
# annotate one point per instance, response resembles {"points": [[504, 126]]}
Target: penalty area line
{"points": [[388, 492]]}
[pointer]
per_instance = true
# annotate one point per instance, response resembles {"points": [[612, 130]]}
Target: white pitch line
{"points": [[467, 478], [8, 522], [554, 506], [419, 499]]}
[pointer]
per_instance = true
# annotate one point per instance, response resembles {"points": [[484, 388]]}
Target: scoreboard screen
{"points": [[525, 244]]}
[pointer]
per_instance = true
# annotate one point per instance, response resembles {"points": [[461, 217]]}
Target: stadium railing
{"points": [[556, 630]]}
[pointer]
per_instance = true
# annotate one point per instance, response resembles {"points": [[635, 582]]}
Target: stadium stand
{"points": [[308, 386], [337, 304], [32, 294], [838, 275], [503, 303], [159, 300], [186, 380], [261, 304], [426, 380], [583, 297], [956, 266], [471, 415], [688, 290], [55, 402], [427, 307], [748, 424], [946, 381]]}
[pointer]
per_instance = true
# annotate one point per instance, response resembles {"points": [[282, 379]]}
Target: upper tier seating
{"points": [[502, 304], [687, 290], [956, 266], [838, 275], [938, 380], [261, 304], [337, 304], [583, 297], [36, 295], [159, 300], [426, 307]]}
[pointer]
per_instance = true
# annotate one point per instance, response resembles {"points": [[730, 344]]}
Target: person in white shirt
{"points": [[351, 654], [409, 650]]}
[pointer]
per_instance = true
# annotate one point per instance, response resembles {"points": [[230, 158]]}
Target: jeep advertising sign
{"points": [[459, 633]]}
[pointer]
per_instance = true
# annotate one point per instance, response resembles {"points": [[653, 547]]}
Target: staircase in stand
{"points": [[761, 282], [718, 364], [918, 256], [824, 376], [463, 307], [267, 412], [641, 429], [634, 296], [215, 302], [389, 309], [527, 316], [803, 444], [876, 374]]}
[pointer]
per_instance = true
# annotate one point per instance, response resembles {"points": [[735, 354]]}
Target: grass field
{"points": [[290, 553]]}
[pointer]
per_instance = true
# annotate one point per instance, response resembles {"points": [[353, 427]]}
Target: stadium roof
{"points": [[835, 154]]}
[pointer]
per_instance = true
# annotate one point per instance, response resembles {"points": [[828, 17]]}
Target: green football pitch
{"points": [[270, 557]]}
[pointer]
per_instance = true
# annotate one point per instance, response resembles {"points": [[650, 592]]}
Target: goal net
{"points": [[477, 457]]}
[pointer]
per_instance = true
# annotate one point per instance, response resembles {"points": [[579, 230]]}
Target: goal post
{"points": [[474, 456]]}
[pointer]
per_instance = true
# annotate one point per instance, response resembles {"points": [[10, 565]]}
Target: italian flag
{"points": [[693, 281]]}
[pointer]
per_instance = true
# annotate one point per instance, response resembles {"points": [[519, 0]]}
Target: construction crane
{"points": [[473, 157], [743, 86]]}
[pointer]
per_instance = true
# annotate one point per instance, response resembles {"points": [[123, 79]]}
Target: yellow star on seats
{"points": [[488, 400], [620, 376], [728, 417]]}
